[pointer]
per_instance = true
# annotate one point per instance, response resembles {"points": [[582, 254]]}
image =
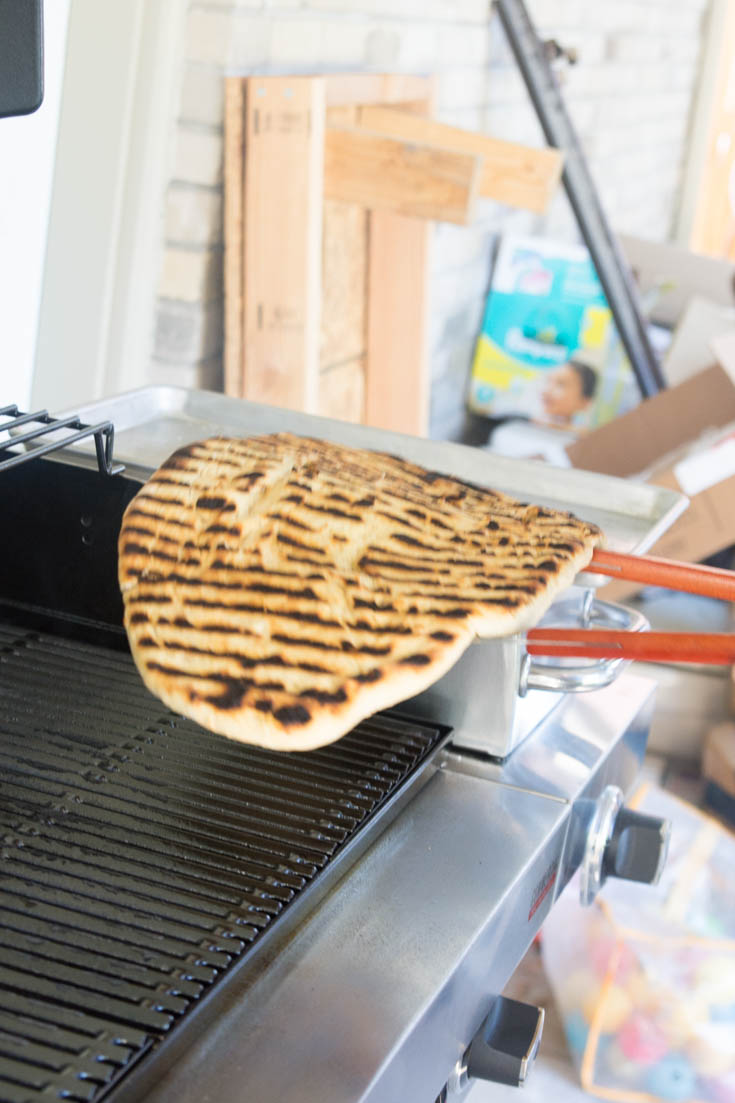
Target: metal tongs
{"points": [[715, 648]]}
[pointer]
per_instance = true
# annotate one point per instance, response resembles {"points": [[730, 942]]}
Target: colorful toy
{"points": [[642, 1040], [672, 1078], [609, 1015]]}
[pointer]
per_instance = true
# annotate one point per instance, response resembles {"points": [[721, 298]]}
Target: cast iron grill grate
{"points": [[143, 857]]}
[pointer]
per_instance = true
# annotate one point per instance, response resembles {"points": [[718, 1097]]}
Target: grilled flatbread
{"points": [[279, 589]]}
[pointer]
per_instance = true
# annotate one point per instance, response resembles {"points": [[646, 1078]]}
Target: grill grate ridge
{"points": [[142, 856]]}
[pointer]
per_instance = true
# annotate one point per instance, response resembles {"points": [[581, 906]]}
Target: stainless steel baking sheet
{"points": [[153, 422]]}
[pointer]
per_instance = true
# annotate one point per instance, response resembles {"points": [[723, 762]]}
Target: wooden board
{"points": [[343, 89], [233, 214], [713, 144], [515, 174], [284, 142], [386, 174]]}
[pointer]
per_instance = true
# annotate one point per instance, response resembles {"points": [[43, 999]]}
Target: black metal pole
{"points": [[612, 270]]}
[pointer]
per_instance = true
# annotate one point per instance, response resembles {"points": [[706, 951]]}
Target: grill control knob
{"points": [[503, 1050], [637, 849], [622, 843]]}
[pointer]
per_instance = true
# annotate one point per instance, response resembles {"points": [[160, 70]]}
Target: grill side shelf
{"points": [[74, 430], [144, 860]]}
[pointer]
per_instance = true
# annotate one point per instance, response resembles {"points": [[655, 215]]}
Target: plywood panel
{"points": [[344, 283], [284, 144], [342, 391], [397, 379]]}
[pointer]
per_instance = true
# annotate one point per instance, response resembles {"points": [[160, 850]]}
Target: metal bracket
{"points": [[103, 433]]}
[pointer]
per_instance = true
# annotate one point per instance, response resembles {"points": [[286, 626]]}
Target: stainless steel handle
{"points": [[560, 675]]}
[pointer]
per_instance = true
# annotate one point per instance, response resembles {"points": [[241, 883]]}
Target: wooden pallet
{"points": [[331, 183]]}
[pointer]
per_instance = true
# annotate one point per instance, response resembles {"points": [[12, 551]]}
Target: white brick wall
{"points": [[630, 97]]}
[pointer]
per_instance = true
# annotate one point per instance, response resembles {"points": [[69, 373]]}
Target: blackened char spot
{"points": [[361, 604], [333, 511], [139, 618], [234, 530], [443, 637], [135, 512], [292, 716], [364, 649], [177, 460], [264, 588], [493, 526], [220, 504], [232, 696], [297, 641], [367, 561], [364, 503], [241, 607], [391, 630], [430, 477], [159, 480], [416, 660], [138, 549], [373, 675], [439, 524], [292, 521], [264, 705], [547, 565], [157, 499], [324, 697], [410, 540], [291, 543]]}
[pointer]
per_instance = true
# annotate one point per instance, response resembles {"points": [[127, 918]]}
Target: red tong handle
{"points": [[717, 648], [651, 571]]}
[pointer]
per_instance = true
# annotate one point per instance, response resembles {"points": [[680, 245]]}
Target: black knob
{"points": [[505, 1046], [636, 850]]}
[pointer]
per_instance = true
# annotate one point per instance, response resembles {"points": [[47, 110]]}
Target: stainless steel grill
{"points": [[166, 933], [143, 858]]}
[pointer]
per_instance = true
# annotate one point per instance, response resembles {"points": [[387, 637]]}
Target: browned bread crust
{"points": [[279, 589]]}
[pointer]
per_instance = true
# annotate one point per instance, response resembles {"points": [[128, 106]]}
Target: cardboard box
{"points": [[700, 332], [663, 440], [670, 275]]}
